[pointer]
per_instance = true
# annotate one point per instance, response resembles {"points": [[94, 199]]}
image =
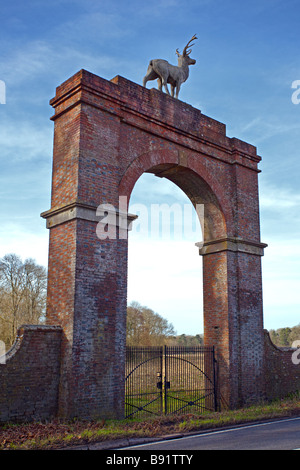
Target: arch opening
{"points": [[175, 212]]}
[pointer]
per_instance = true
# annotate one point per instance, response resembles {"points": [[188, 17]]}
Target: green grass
{"points": [[60, 434]]}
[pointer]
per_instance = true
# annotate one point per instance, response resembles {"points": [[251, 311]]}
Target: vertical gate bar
{"points": [[165, 372], [212, 376], [196, 354], [182, 378], [210, 369], [168, 404], [143, 379], [202, 378], [187, 356], [206, 368], [126, 383], [180, 371], [171, 378], [194, 359], [174, 374], [177, 372], [201, 365], [205, 379], [198, 359], [162, 380], [137, 358], [200, 354], [210, 385], [215, 387], [130, 386]]}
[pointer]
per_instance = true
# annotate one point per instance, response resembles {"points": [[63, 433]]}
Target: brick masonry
{"points": [[29, 376], [106, 135], [282, 376]]}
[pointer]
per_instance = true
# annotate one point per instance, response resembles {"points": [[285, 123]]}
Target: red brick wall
{"points": [[282, 376], [29, 377]]}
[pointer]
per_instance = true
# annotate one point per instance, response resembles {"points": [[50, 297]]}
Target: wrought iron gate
{"points": [[165, 380]]}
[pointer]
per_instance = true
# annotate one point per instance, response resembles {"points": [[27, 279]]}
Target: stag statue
{"points": [[167, 73]]}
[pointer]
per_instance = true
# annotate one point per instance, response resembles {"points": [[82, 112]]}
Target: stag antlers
{"points": [[185, 50]]}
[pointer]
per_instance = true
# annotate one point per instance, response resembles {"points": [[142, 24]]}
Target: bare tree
{"points": [[145, 327], [22, 295]]}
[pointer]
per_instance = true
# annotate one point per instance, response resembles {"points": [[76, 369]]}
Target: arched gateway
{"points": [[107, 134]]}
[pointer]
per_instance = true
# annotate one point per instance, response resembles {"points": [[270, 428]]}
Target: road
{"points": [[276, 435]]}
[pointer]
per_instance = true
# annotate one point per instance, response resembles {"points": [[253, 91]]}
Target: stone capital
{"points": [[79, 210], [234, 244]]}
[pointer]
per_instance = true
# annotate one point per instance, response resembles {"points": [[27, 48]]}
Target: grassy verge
{"points": [[57, 434]]}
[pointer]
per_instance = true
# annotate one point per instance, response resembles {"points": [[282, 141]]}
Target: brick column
{"points": [[87, 292], [87, 275], [233, 317]]}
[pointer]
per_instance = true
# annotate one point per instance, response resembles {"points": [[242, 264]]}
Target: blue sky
{"points": [[247, 59]]}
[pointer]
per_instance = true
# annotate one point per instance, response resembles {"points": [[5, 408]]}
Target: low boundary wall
{"points": [[29, 375], [282, 376]]}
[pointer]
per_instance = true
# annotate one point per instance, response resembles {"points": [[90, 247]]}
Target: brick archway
{"points": [[108, 133]]}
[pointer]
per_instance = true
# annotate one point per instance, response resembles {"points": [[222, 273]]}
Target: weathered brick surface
{"points": [[107, 134], [29, 378], [282, 376]]}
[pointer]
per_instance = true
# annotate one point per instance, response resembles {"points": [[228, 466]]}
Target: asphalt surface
{"points": [[276, 435]]}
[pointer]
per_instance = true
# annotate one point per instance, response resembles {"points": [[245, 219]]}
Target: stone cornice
{"points": [[234, 244], [79, 210]]}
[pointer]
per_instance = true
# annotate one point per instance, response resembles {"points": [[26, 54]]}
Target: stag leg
{"points": [[177, 90], [165, 85], [172, 90], [160, 83]]}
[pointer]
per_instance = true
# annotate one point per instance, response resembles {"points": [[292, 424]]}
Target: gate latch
{"points": [[160, 383]]}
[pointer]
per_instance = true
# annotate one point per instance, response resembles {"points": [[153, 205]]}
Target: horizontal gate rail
{"points": [[168, 380]]}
